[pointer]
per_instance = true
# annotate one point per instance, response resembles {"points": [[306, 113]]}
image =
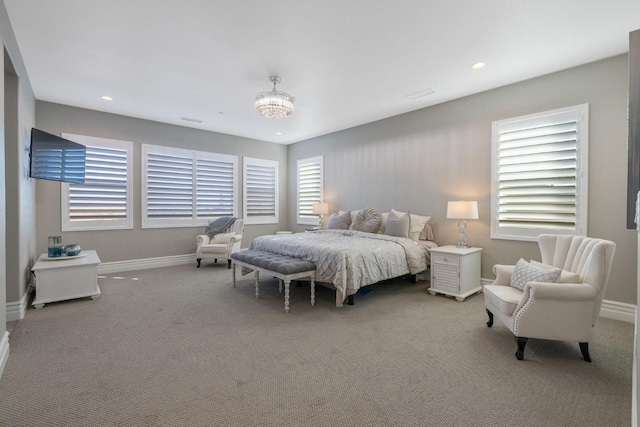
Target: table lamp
{"points": [[321, 209], [462, 210]]}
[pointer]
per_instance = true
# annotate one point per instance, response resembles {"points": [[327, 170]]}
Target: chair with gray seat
{"points": [[565, 310]]}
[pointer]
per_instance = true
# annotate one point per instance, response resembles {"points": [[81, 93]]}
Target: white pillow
{"points": [[222, 238], [566, 276], [523, 273], [416, 225], [385, 217]]}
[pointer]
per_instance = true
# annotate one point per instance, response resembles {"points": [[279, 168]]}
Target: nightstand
{"points": [[455, 271]]}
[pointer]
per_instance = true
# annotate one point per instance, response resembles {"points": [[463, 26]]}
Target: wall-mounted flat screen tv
{"points": [[55, 158]]}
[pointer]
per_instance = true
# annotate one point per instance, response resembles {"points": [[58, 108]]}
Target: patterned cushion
{"points": [[367, 220], [524, 273]]}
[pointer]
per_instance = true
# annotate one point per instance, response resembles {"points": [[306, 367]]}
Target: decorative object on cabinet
{"points": [[566, 310], [455, 271], [462, 210]]}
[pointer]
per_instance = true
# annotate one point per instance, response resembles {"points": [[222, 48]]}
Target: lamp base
{"points": [[462, 234]]}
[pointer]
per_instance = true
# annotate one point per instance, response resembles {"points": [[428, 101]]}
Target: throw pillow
{"points": [[523, 273], [418, 223], [339, 221], [385, 217], [222, 238], [397, 226], [566, 276], [367, 220]]}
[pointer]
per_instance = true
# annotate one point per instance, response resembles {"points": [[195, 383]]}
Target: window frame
{"points": [[193, 220], [246, 206], [310, 218], [581, 113], [65, 194]]}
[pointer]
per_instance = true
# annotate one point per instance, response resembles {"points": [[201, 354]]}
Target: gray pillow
{"points": [[368, 220], [398, 227], [339, 221]]}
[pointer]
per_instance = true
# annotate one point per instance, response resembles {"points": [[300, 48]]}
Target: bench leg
{"points": [[233, 273], [287, 282], [313, 291], [280, 286], [257, 284]]}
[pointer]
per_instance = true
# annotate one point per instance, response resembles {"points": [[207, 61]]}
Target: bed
{"points": [[350, 259]]}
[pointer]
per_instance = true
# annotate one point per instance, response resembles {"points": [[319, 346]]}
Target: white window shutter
{"points": [[104, 201], [539, 163], [260, 191], [310, 182]]}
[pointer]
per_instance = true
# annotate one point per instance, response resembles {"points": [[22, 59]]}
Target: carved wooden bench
{"points": [[283, 267]]}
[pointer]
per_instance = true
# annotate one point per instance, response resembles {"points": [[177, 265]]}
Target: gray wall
{"points": [[121, 245], [418, 161], [17, 196]]}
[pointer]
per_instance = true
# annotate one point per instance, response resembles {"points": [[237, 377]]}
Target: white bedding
{"points": [[350, 259]]}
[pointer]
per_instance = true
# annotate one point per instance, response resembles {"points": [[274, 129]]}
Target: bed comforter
{"points": [[350, 259]]}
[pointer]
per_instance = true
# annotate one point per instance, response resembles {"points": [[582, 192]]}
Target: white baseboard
{"points": [[4, 351], [17, 309], [618, 311], [145, 263], [610, 309]]}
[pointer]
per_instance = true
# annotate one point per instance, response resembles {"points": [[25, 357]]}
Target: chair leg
{"points": [[199, 259], [229, 264], [584, 348], [490, 322], [522, 341]]}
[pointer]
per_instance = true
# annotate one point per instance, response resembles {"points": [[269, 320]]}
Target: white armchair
{"points": [[566, 310], [222, 245]]}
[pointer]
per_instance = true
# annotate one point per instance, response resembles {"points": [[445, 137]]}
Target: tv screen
{"points": [[55, 158]]}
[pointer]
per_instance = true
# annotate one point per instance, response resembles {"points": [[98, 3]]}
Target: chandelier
{"points": [[274, 104]]}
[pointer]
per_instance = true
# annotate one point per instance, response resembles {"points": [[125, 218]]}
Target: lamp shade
{"points": [[462, 210], [321, 208]]}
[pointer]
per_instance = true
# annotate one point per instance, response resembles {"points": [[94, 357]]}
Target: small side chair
{"points": [[222, 245], [565, 310]]}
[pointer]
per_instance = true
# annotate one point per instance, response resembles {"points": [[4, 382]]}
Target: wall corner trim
{"points": [[4, 351]]}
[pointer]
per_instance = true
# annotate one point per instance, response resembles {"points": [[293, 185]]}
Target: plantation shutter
{"points": [[260, 191], [215, 188], [169, 186], [104, 193], [310, 181], [538, 172]]}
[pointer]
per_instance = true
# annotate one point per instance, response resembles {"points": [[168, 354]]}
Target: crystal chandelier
{"points": [[274, 104]]}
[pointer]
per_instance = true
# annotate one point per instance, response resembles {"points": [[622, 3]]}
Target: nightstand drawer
{"points": [[446, 259]]}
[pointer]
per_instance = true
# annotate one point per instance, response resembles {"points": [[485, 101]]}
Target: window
{"points": [[309, 185], [184, 188], [539, 166], [104, 201], [260, 191]]}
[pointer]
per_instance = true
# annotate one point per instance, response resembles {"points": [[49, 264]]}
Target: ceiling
{"points": [[346, 62]]}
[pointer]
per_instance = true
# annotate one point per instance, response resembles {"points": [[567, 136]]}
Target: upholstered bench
{"points": [[283, 267]]}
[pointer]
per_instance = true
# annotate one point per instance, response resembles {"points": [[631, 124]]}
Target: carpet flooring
{"points": [[179, 346]]}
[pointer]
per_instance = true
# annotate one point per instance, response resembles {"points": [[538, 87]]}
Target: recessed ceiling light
{"points": [[478, 65], [107, 98], [278, 133]]}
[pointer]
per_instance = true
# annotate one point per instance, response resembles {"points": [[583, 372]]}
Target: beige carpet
{"points": [[180, 346]]}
